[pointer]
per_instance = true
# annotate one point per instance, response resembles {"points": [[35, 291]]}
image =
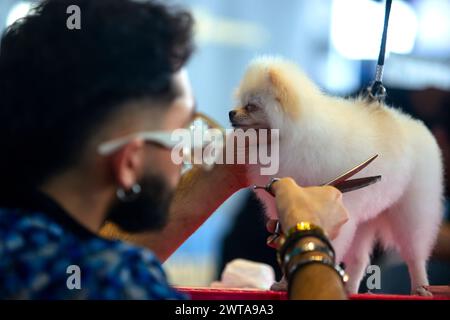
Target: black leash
{"points": [[377, 92]]}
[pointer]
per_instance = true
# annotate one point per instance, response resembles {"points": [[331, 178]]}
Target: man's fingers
{"points": [[334, 192], [283, 183], [343, 218]]}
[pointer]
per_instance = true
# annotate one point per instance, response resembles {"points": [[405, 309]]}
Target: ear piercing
{"points": [[128, 195]]}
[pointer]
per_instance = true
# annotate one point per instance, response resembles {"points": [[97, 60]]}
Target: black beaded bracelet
{"points": [[295, 237], [307, 247], [316, 259]]}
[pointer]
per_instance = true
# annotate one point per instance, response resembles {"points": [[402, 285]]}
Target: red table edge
{"points": [[248, 294]]}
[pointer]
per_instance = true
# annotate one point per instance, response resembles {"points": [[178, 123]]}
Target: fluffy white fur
{"points": [[322, 136]]}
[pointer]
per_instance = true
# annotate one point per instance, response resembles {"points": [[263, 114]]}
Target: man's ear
{"points": [[127, 163]]}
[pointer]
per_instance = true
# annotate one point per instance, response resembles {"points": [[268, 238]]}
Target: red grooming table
{"points": [[249, 294]]}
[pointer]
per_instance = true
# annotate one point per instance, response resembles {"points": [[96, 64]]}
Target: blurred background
{"points": [[336, 42]]}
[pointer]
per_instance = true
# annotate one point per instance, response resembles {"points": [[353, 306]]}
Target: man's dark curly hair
{"points": [[58, 85]]}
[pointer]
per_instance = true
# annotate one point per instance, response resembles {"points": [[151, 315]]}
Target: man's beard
{"points": [[146, 211]]}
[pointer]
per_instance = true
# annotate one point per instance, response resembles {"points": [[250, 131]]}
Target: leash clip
{"points": [[377, 92]]}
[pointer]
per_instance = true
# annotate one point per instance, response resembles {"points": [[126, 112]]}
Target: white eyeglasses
{"points": [[165, 139], [162, 138]]}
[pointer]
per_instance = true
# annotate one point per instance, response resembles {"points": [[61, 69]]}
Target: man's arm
{"points": [[316, 282], [323, 207], [198, 195]]}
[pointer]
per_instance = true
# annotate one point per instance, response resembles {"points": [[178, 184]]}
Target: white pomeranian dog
{"points": [[323, 136]]}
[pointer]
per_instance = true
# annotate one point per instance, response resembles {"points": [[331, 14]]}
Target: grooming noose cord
{"points": [[376, 91]]}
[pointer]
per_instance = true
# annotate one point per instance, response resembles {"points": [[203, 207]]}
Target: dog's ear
{"points": [[285, 92]]}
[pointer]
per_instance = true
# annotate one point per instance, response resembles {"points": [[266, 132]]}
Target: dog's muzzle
{"points": [[231, 115]]}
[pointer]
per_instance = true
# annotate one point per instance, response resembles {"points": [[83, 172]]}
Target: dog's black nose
{"points": [[231, 114]]}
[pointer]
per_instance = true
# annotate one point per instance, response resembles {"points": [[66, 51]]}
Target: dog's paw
{"points": [[422, 291], [281, 285]]}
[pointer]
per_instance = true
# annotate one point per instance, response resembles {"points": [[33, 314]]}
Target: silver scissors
{"points": [[342, 183]]}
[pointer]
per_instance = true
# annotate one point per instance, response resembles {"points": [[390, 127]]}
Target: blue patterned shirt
{"points": [[45, 254]]}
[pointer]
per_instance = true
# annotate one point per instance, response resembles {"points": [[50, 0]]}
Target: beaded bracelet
{"points": [[315, 259], [307, 247], [296, 233], [327, 261]]}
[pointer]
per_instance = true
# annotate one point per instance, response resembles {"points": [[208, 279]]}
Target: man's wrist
{"points": [[315, 281], [307, 245]]}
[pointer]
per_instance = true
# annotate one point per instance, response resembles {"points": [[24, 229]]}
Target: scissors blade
{"points": [[351, 172], [355, 184]]}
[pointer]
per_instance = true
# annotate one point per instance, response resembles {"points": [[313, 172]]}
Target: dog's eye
{"points": [[250, 107]]}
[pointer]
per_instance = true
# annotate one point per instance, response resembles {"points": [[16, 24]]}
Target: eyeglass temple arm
{"points": [[212, 123]]}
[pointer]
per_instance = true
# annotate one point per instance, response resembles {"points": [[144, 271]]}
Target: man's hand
{"points": [[321, 206]]}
